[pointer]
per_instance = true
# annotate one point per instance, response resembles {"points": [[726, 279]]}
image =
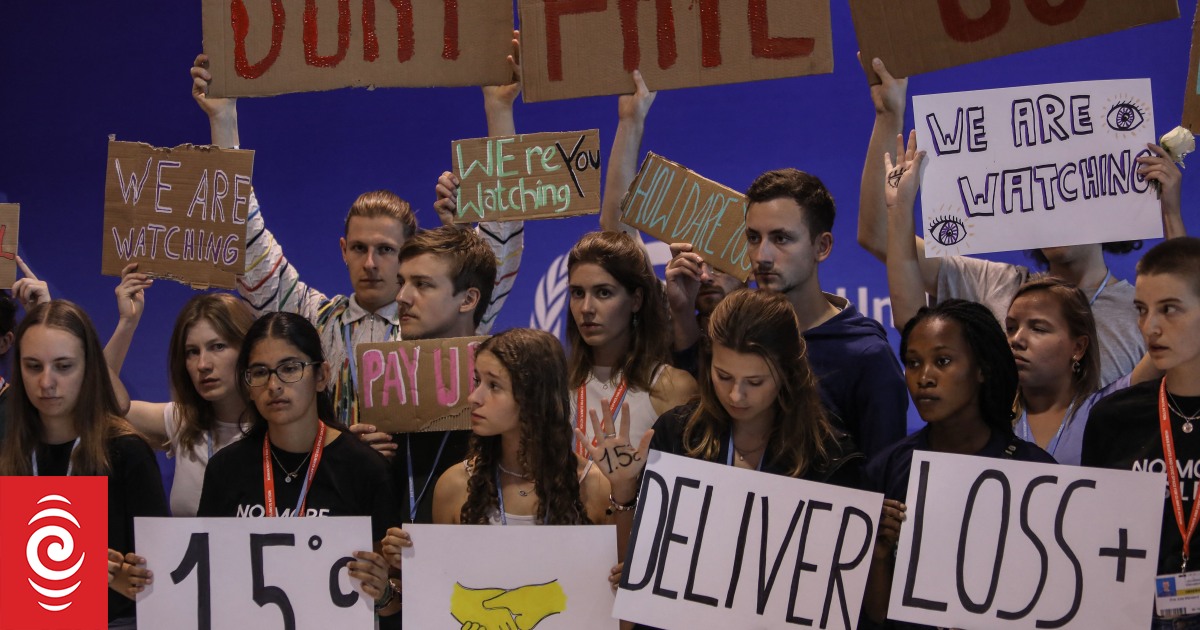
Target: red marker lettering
{"points": [[763, 46], [311, 57], [1054, 15], [240, 21], [964, 29], [555, 9]]}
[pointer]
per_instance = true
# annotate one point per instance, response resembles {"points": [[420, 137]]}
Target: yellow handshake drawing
{"points": [[520, 608]]}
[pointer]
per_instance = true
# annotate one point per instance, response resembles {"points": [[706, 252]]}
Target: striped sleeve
{"points": [[507, 240], [271, 283]]}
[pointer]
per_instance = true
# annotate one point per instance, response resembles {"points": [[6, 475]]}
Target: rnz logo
{"points": [[53, 553]]}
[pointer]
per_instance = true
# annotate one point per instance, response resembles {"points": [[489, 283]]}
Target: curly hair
{"points": [[989, 351], [763, 323], [622, 257], [537, 368], [97, 418], [230, 318]]}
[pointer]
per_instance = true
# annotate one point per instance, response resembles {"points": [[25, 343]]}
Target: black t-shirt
{"points": [[134, 489], [844, 467], [1123, 433], [427, 467], [351, 480]]}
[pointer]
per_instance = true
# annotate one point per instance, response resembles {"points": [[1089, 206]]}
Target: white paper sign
{"points": [[992, 543], [1036, 166], [702, 534], [554, 578], [253, 573]]}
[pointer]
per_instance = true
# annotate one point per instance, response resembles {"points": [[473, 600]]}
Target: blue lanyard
{"points": [[500, 498], [414, 499], [729, 456], [70, 464], [350, 358], [1027, 434], [1103, 283]]}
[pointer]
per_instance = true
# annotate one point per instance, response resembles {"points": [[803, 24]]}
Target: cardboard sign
{"points": [[589, 47], [253, 573], [1191, 96], [10, 223], [676, 205], [531, 176], [996, 543], [720, 547], [180, 213], [919, 36], [264, 48], [1037, 166], [411, 386], [545, 577]]}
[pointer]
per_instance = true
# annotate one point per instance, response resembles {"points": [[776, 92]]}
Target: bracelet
{"points": [[622, 507], [389, 594]]}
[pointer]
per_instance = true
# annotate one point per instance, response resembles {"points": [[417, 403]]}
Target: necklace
{"points": [[510, 473], [1187, 420], [288, 476], [743, 453]]}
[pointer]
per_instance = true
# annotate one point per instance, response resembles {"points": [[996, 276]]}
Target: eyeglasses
{"points": [[290, 372]]}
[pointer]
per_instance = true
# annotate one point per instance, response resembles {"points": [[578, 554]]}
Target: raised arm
{"points": [[626, 152], [902, 179], [222, 112], [146, 417], [1162, 169]]}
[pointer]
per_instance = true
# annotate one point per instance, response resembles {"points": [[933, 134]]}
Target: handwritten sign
{"points": [[555, 573], [263, 48], [720, 547], [1038, 166], [993, 543], [253, 573], [588, 48], [180, 213], [411, 386], [10, 223], [676, 205], [919, 36], [531, 176]]}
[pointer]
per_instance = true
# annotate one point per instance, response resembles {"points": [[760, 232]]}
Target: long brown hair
{"points": [[763, 323], [624, 259], [536, 365], [230, 318], [97, 418], [1077, 313]]}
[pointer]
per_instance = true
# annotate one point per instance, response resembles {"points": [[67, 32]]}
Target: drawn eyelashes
{"points": [[947, 230], [1125, 116]]}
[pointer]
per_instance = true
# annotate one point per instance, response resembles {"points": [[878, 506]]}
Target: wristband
{"points": [[389, 594], [622, 507]]}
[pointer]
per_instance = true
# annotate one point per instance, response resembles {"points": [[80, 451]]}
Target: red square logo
{"points": [[53, 553]]}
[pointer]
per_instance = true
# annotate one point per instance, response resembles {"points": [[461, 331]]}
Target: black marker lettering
{"points": [[918, 526], [1006, 493]]}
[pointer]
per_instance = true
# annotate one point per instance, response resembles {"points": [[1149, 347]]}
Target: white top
{"points": [[601, 385], [528, 519], [190, 465]]}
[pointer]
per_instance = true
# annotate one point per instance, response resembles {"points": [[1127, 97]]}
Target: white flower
{"points": [[1178, 143]]}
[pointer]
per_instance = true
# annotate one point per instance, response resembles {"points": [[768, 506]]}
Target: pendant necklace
{"points": [[1187, 420], [288, 476], [510, 473]]}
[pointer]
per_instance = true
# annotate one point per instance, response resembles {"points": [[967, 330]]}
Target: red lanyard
{"points": [[269, 473], [1172, 466], [581, 412]]}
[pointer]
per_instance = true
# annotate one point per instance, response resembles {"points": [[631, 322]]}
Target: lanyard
{"points": [[581, 412], [414, 499], [1027, 432], [729, 456], [350, 352], [1168, 443], [269, 473], [500, 498], [70, 464], [1103, 283]]}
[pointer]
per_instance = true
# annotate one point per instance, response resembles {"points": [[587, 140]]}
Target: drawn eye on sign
{"points": [[1125, 116], [947, 230]]}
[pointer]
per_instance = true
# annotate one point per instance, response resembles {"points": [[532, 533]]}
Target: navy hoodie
{"points": [[862, 384]]}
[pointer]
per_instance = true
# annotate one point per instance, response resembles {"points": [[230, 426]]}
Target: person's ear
{"points": [[470, 300], [823, 246], [322, 373], [342, 245], [637, 299], [6, 341]]}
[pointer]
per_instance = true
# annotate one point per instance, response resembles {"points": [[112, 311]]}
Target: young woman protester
{"points": [[1049, 324], [65, 421], [521, 469], [618, 331], [207, 411]]}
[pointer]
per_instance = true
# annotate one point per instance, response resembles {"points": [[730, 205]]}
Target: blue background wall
{"points": [[71, 73]]}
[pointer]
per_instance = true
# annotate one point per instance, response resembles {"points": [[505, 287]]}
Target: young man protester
{"points": [[789, 223], [376, 228], [1156, 421]]}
